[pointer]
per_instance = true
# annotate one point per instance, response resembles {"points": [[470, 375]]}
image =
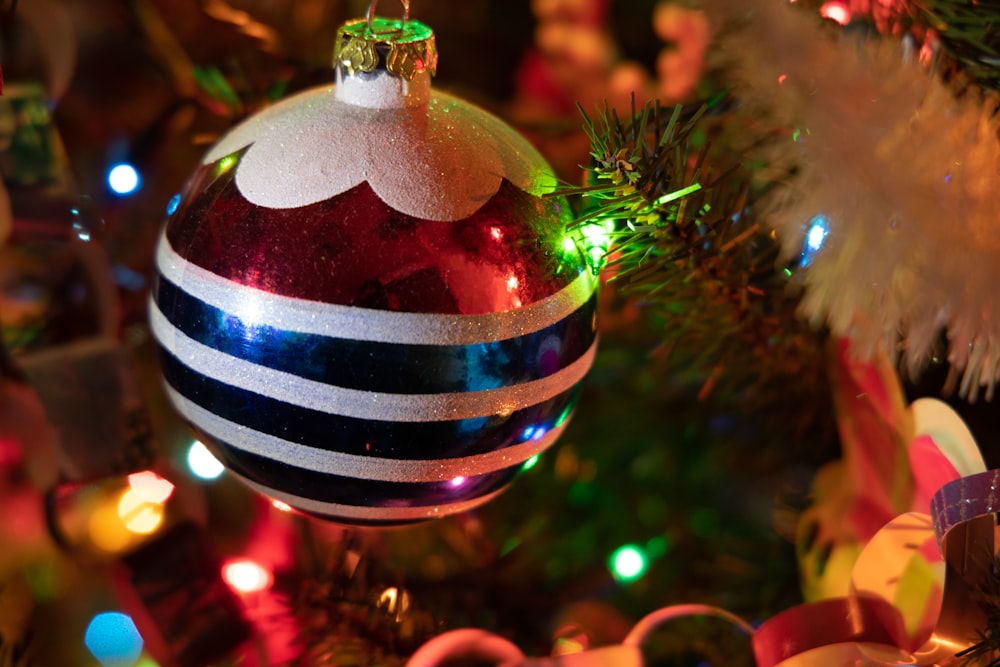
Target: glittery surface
{"points": [[373, 515], [358, 465], [372, 315], [965, 499], [381, 90], [438, 162], [263, 418], [355, 250], [402, 48], [399, 407], [376, 366], [252, 306]]}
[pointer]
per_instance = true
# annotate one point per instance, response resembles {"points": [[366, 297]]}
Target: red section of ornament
{"points": [[353, 249]]}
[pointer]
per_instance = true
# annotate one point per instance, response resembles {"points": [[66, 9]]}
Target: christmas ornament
{"points": [[365, 306]]}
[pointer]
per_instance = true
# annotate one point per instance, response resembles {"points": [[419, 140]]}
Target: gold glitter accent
{"points": [[408, 47]]}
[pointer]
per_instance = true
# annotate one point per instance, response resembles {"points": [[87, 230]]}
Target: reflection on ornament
{"points": [[366, 307], [280, 506], [172, 205], [395, 601]]}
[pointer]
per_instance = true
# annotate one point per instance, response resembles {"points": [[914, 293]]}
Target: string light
{"points": [[597, 242], [150, 486], [247, 576], [113, 639], [139, 515], [106, 530], [123, 179], [202, 463], [836, 11], [819, 228], [628, 563]]}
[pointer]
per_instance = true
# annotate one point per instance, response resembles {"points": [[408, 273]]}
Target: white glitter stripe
{"points": [[352, 465], [361, 513], [380, 406], [381, 326]]}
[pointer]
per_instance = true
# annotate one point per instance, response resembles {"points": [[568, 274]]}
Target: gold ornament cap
{"points": [[377, 48]]}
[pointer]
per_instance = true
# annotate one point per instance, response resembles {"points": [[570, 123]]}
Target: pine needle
{"points": [[687, 249]]}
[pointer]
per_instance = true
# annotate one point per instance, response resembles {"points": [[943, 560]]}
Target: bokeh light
{"points": [[597, 242], [836, 11], [246, 576], [280, 505], [628, 563], [202, 463], [151, 487], [123, 179], [113, 639], [106, 530], [816, 233], [139, 515], [172, 205]]}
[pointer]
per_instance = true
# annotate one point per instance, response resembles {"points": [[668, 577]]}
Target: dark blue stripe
{"points": [[366, 437], [383, 367], [350, 491]]}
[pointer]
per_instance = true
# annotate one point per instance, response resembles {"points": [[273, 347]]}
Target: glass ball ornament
{"points": [[365, 306]]}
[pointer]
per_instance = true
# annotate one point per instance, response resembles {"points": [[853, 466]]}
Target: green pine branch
{"points": [[686, 247], [969, 33], [986, 594]]}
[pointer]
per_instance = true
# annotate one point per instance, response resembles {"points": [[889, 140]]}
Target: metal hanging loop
{"points": [[370, 14]]}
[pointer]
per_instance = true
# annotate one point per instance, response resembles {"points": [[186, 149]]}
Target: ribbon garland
{"points": [[870, 627], [864, 629]]}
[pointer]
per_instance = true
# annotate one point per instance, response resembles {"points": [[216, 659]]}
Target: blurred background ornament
{"points": [[56, 282], [90, 390], [366, 306], [596, 52], [38, 44]]}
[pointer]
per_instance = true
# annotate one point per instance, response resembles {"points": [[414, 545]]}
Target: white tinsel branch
{"points": [[906, 174]]}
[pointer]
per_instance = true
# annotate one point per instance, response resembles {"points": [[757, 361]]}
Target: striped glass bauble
{"points": [[366, 308]]}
